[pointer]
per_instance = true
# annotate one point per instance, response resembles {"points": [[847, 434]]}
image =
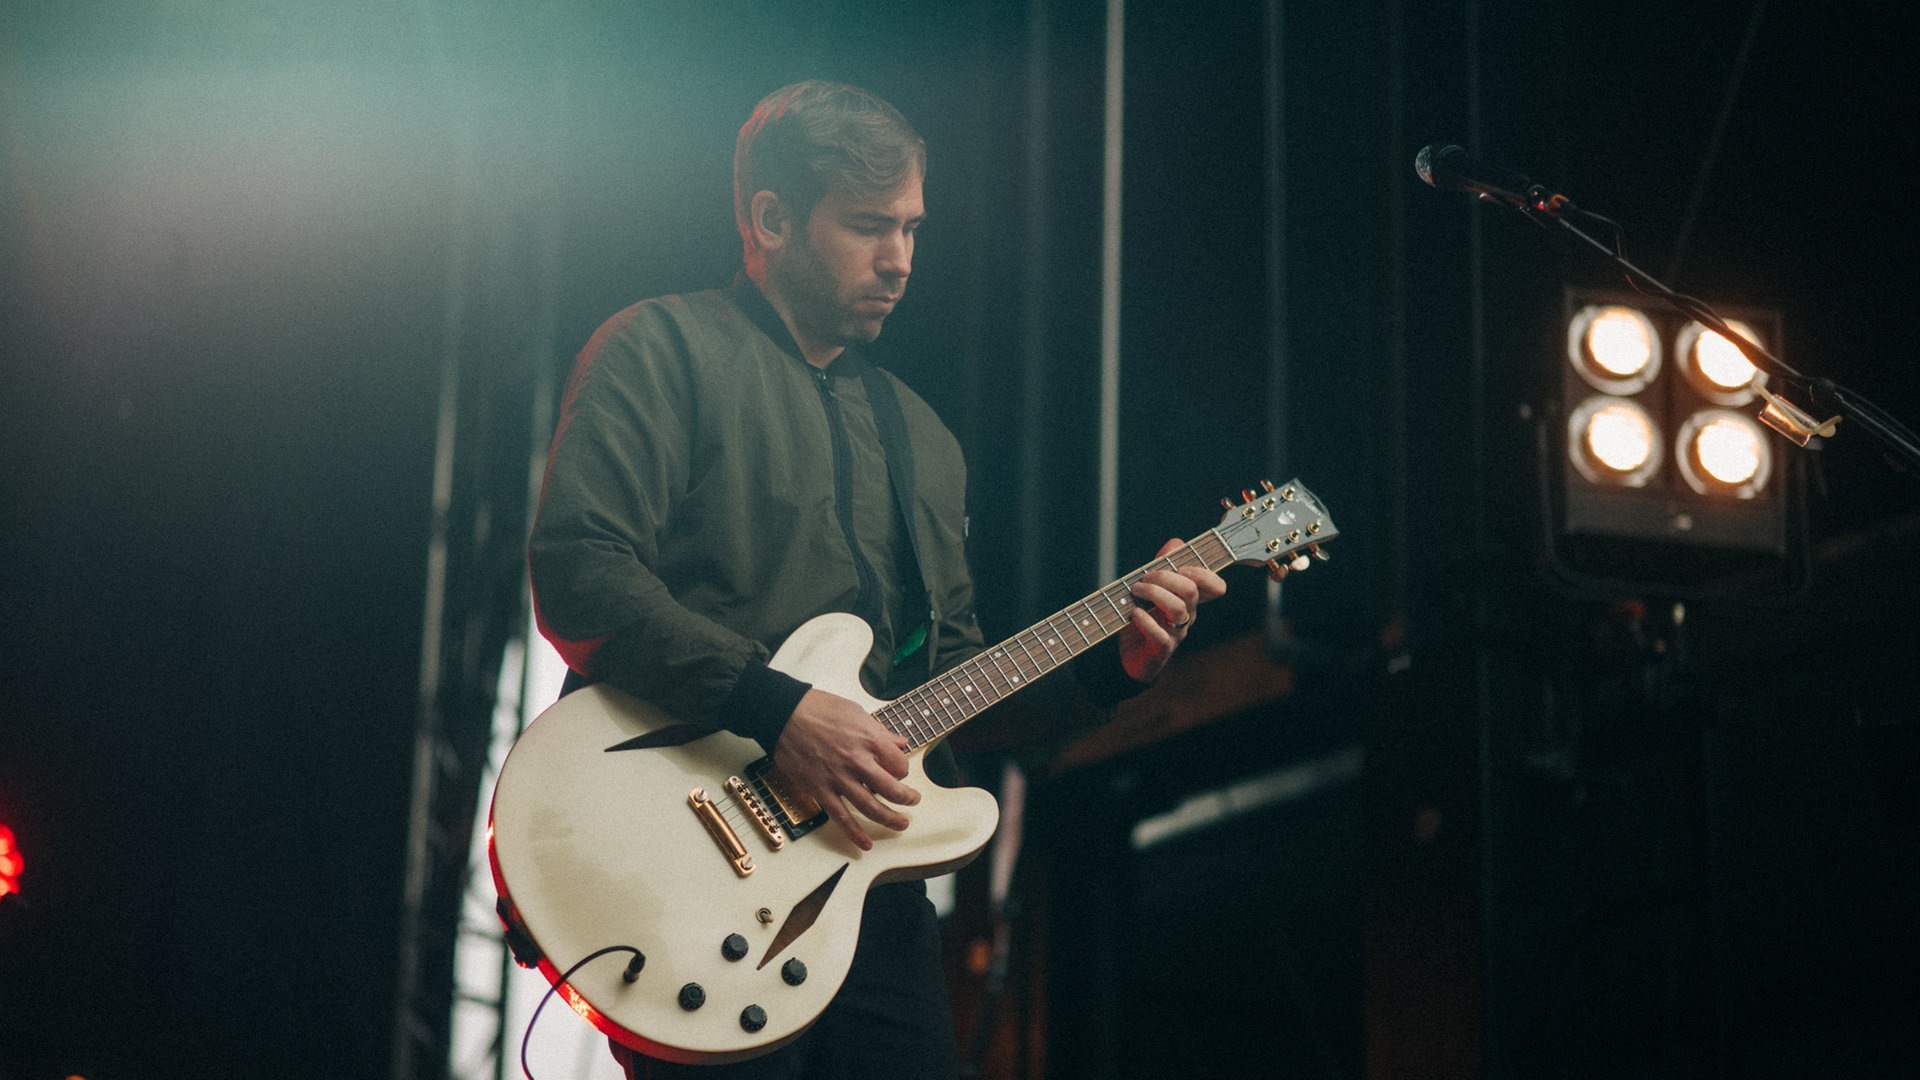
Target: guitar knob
{"points": [[692, 996], [734, 948], [1301, 562], [794, 972], [753, 1018]]}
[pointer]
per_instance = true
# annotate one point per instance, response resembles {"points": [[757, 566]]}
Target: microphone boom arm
{"points": [[1543, 207]]}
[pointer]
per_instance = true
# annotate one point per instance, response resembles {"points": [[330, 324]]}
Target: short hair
{"points": [[813, 137]]}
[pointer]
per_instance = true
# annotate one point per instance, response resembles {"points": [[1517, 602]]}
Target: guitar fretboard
{"points": [[951, 699]]}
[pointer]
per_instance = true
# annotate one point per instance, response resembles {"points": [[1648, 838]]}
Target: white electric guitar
{"points": [[730, 904]]}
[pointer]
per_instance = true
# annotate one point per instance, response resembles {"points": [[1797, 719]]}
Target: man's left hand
{"points": [[1166, 602]]}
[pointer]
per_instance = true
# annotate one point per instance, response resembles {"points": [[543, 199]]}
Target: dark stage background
{"points": [[257, 256]]}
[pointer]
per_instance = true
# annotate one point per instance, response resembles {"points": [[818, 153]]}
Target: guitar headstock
{"points": [[1280, 527]]}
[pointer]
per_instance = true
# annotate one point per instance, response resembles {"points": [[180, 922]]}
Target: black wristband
{"points": [[762, 702]]}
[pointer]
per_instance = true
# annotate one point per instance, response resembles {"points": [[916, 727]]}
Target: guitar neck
{"points": [[949, 700]]}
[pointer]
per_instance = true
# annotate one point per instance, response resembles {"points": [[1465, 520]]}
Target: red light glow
{"points": [[11, 863]]}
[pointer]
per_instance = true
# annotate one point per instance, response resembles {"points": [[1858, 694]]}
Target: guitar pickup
{"points": [[794, 814], [722, 833]]}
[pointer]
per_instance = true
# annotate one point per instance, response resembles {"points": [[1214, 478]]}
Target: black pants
{"points": [[890, 1021]]}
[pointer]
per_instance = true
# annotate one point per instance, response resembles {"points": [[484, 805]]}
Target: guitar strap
{"points": [[892, 424]]}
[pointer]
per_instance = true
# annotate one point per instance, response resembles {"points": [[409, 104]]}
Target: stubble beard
{"points": [[817, 306]]}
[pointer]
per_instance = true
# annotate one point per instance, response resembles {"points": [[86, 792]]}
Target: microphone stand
{"points": [[1543, 206]]}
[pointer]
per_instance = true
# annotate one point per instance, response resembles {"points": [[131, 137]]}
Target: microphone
{"points": [[1450, 168]]}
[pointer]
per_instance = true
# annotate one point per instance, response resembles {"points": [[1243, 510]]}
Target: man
{"points": [[728, 465]]}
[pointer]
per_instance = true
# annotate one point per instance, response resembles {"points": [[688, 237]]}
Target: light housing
{"points": [[1661, 473]]}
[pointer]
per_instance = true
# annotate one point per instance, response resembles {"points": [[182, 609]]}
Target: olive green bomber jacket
{"points": [[688, 521]]}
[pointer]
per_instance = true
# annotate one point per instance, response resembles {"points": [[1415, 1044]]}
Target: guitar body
{"points": [[594, 847]]}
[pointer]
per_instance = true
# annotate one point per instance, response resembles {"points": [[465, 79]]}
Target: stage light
{"points": [[1614, 348], [1664, 476], [1613, 441], [1715, 366], [1724, 453]]}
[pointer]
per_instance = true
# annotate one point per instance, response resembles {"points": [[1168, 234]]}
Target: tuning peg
{"points": [[1226, 504], [1318, 552], [1266, 485], [1277, 570], [1301, 562], [1246, 496]]}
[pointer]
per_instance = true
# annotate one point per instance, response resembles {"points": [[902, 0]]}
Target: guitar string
{"points": [[935, 703], [739, 819]]}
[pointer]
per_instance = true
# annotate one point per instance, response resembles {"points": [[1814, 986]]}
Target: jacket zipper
{"points": [[843, 495]]}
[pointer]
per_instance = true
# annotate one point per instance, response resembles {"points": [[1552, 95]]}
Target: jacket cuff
{"points": [[1101, 675], [762, 702]]}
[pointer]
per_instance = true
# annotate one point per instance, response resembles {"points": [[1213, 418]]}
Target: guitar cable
{"points": [[629, 975]]}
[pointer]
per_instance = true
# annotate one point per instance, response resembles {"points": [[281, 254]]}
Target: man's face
{"points": [[844, 272]]}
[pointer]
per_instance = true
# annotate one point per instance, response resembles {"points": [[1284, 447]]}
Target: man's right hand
{"points": [[835, 752]]}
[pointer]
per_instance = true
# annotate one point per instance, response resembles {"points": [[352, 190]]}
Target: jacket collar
{"points": [[748, 298]]}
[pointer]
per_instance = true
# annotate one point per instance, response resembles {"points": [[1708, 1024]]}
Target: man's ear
{"points": [[770, 221]]}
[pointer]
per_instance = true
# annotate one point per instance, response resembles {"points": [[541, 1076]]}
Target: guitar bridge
{"points": [[757, 809], [722, 833], [793, 813]]}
